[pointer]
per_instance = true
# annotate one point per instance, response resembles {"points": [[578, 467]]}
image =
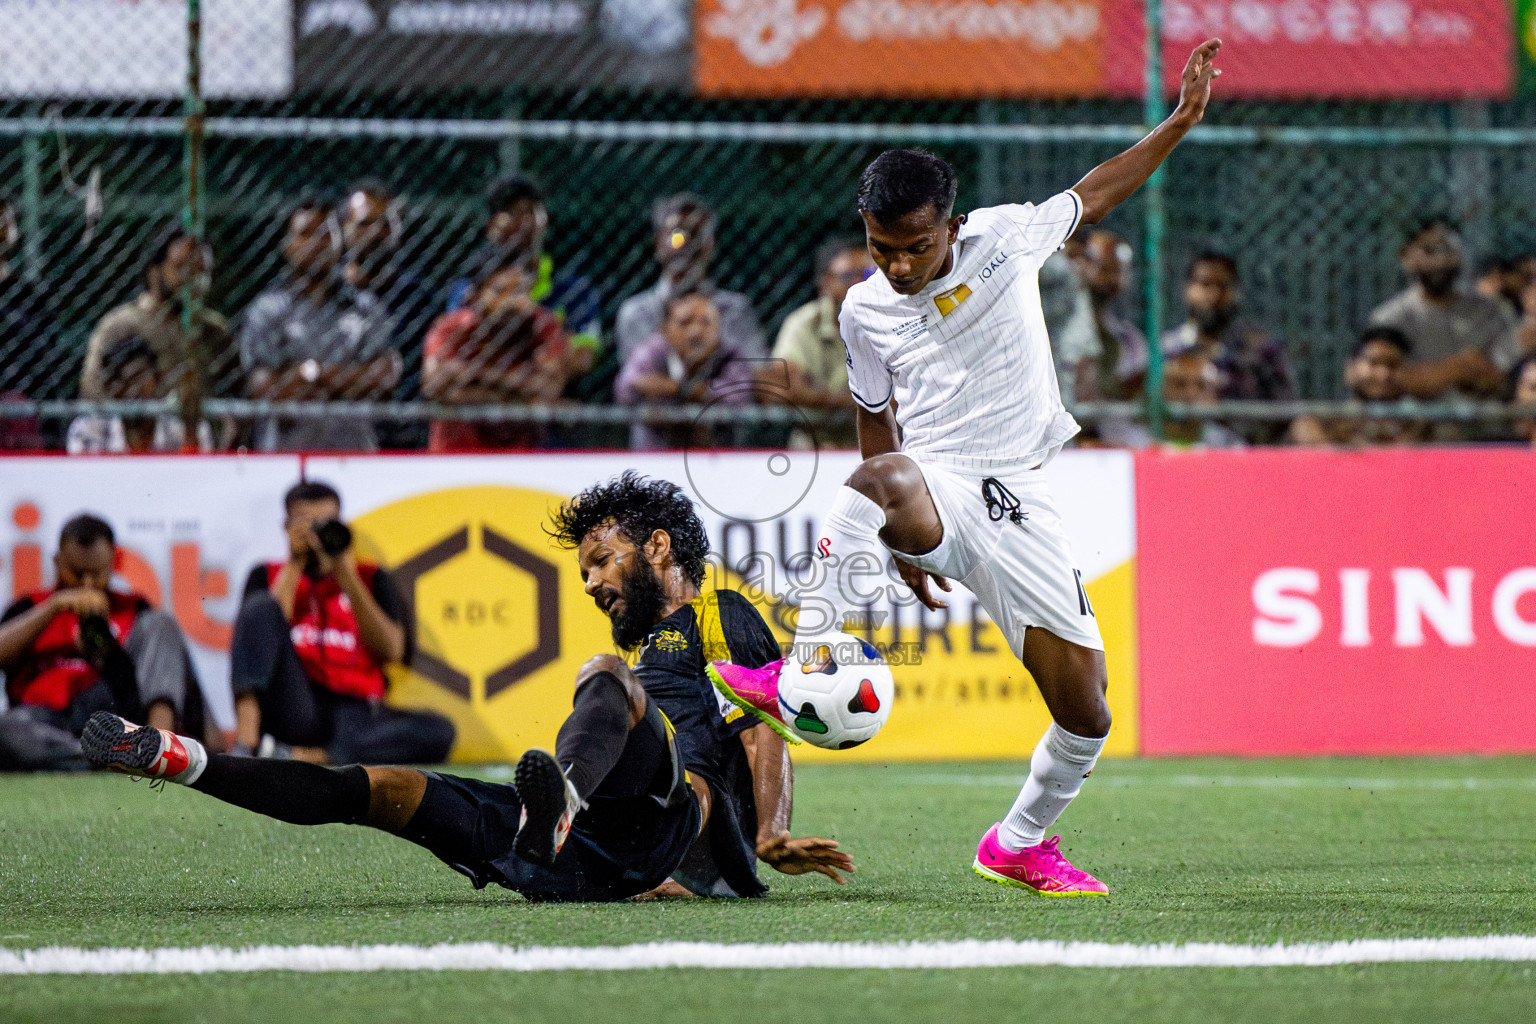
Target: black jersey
{"points": [[718, 625]]}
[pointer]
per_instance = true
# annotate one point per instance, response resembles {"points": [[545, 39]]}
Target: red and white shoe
{"points": [[116, 743], [1040, 869], [550, 805]]}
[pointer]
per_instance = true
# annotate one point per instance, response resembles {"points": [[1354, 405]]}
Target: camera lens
{"points": [[335, 536]]}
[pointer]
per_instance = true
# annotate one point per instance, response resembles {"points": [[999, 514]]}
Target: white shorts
{"points": [[1004, 541]]}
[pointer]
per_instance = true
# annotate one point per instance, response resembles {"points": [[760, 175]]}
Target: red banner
{"points": [[1379, 602], [1426, 49]]}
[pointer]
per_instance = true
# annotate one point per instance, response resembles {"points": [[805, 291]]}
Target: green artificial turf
{"points": [[1207, 850]]}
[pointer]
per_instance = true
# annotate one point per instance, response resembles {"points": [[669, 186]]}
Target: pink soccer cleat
{"points": [[755, 690], [1040, 869]]}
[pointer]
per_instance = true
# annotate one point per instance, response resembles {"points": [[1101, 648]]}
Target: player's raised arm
{"points": [[1112, 182]]}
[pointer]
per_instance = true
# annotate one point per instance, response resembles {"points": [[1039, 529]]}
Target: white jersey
{"points": [[967, 358]]}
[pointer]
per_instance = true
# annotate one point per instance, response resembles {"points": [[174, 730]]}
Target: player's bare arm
{"points": [[773, 787], [1116, 179]]}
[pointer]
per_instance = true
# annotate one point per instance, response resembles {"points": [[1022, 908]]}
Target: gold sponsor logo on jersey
{"points": [[670, 640], [950, 301]]}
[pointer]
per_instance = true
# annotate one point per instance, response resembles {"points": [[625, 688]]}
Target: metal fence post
{"points": [[31, 206], [193, 221], [1154, 110]]}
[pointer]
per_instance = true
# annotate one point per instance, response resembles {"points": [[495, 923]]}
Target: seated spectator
{"points": [[1373, 374], [1525, 395], [1111, 359], [1069, 321], [312, 638], [683, 228], [181, 363], [1460, 342], [1506, 279], [688, 362], [1192, 378], [312, 336], [29, 332], [372, 228], [83, 647], [500, 348], [1525, 334], [517, 220], [1252, 361], [126, 371], [811, 348]]}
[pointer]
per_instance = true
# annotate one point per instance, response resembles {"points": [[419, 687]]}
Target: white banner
{"points": [[502, 620], [137, 49]]}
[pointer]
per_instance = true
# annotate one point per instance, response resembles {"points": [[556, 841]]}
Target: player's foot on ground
{"points": [[115, 743], [550, 804], [755, 690], [1040, 869]]}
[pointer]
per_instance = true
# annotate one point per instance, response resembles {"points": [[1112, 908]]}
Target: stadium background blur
{"points": [[1311, 169]]}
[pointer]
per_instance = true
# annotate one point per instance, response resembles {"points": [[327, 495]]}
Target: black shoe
{"points": [[550, 804]]}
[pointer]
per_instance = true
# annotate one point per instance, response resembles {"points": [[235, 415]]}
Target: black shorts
{"points": [[469, 825]]}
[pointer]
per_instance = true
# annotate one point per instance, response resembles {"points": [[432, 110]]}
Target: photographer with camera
{"points": [[83, 647], [313, 636]]}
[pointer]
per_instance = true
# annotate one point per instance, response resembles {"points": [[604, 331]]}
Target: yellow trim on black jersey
{"points": [[706, 612]]}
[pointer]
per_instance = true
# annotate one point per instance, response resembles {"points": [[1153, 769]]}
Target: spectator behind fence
{"points": [[83, 647], [517, 219], [312, 336], [1525, 336], [1069, 320], [1505, 279], [1251, 360], [126, 370], [312, 638], [814, 358], [30, 361], [1525, 395], [182, 363], [372, 232], [1460, 342], [1374, 373], [1110, 363], [500, 348], [1191, 377], [687, 362], [683, 238]]}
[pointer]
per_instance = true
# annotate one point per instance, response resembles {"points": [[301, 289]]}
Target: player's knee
{"points": [[886, 480], [618, 668], [393, 796]]}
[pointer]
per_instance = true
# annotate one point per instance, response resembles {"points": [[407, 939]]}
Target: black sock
{"points": [[291, 791], [593, 737]]}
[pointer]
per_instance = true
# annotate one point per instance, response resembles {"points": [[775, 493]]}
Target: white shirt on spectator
{"points": [[967, 359]]}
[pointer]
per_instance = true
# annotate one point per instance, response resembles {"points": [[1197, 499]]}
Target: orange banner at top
{"points": [[937, 48]]}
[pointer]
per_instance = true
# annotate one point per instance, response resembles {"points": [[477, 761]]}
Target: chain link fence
{"points": [[391, 119]]}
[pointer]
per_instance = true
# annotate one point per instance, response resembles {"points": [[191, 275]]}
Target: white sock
{"points": [[849, 541], [197, 760], [1056, 771]]}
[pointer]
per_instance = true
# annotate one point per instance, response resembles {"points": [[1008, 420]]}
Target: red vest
{"points": [[51, 673], [325, 634]]}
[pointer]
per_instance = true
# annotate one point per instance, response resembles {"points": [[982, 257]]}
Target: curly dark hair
{"points": [[638, 506]]}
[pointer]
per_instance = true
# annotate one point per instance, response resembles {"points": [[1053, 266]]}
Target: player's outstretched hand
{"points": [[1195, 85], [917, 579], [802, 856]]}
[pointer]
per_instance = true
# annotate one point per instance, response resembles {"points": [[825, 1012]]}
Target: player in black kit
{"points": [[653, 788]]}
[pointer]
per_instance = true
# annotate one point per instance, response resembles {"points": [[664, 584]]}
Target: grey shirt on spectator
{"points": [[283, 327], [1466, 322], [640, 317]]}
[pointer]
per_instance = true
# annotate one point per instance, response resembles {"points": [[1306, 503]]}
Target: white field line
{"points": [[485, 956], [1225, 782]]}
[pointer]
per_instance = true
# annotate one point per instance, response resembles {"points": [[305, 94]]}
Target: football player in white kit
{"points": [[959, 410]]}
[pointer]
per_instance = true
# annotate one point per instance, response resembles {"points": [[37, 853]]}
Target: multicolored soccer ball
{"points": [[836, 694]]}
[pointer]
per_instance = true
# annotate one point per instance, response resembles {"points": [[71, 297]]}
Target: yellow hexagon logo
{"points": [[501, 620]]}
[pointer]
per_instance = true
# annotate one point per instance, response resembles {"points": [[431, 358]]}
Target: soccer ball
{"points": [[836, 694]]}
